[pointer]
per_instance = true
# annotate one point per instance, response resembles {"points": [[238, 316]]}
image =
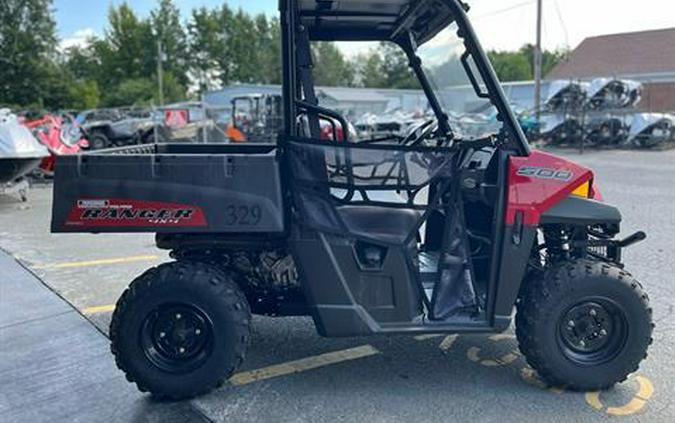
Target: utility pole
{"points": [[160, 71], [538, 63]]}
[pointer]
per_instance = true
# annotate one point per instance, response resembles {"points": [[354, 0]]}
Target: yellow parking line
{"points": [[637, 403], [593, 399], [633, 406], [99, 309], [302, 365], [425, 337], [646, 388], [448, 342], [101, 262]]}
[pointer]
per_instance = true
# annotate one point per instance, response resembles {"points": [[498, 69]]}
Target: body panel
{"points": [[538, 182]]}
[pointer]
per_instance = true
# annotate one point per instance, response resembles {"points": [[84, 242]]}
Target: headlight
{"points": [[588, 190], [584, 190]]}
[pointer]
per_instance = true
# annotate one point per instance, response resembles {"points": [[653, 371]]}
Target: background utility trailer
{"points": [[431, 233]]}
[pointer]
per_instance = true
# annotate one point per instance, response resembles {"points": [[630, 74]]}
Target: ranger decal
{"points": [[134, 213]]}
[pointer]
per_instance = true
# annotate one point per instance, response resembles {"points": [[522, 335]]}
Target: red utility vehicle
{"points": [[434, 232]]}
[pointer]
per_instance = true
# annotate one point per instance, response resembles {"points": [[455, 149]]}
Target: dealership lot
{"points": [[292, 374]]}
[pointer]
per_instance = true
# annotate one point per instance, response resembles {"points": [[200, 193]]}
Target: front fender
{"points": [[581, 212]]}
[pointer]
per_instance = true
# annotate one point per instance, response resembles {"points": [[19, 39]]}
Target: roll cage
{"points": [[407, 23]]}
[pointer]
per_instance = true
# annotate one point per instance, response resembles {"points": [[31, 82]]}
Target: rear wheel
{"points": [[180, 330], [584, 325]]}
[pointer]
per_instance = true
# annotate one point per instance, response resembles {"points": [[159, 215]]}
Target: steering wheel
{"points": [[420, 133]]}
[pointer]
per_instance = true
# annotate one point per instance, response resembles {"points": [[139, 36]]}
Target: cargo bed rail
{"points": [[185, 148]]}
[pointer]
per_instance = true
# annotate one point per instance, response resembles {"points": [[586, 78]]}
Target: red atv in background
{"points": [[60, 134]]}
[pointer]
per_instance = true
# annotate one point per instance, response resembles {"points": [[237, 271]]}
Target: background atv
{"points": [[434, 232], [112, 128]]}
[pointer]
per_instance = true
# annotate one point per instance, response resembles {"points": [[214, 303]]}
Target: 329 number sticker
{"points": [[243, 215]]}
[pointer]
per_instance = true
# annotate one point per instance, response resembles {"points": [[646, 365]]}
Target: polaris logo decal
{"points": [[545, 173], [134, 213]]}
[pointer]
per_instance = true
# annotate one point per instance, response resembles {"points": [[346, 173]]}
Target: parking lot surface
{"points": [[292, 374]]}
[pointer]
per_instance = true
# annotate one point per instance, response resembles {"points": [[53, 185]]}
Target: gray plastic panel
{"points": [[168, 193]]}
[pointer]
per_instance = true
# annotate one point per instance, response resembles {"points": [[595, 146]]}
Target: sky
{"points": [[500, 24]]}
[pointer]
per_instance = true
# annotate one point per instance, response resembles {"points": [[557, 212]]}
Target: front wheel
{"points": [[99, 141], [585, 325], [180, 330]]}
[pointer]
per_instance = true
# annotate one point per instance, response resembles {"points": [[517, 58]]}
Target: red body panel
{"points": [[540, 181]]}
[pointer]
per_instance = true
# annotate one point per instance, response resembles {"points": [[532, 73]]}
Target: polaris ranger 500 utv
{"points": [[437, 232]]}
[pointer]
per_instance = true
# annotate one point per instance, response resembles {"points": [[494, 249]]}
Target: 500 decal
{"points": [[242, 215], [545, 173]]}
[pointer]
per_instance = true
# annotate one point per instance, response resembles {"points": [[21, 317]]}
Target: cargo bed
{"points": [[170, 188]]}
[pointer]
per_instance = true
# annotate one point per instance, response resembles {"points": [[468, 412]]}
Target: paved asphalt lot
{"points": [[438, 379]]}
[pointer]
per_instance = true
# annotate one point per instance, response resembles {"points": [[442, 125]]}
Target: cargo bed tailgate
{"points": [[168, 193]]}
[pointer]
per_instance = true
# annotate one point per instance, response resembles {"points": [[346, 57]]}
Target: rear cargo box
{"points": [[172, 188]]}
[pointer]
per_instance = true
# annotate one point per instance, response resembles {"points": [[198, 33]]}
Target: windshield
{"points": [[470, 115]]}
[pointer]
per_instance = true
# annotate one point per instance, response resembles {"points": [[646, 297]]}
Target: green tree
{"points": [[127, 51], [268, 49], [144, 92], [208, 33], [370, 72], [519, 65], [387, 66], [132, 92], [511, 66], [330, 66], [84, 95], [396, 68], [27, 41], [233, 47], [167, 27], [82, 61]]}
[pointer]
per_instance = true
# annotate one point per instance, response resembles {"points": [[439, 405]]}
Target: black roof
{"points": [[374, 20]]}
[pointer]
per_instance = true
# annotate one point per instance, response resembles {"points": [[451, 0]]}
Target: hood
{"points": [[16, 141]]}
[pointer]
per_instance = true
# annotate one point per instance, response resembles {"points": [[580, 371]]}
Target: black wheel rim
{"points": [[177, 338], [593, 331]]}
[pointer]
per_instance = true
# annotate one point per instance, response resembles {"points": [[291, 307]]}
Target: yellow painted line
{"points": [[633, 406], [99, 309], [646, 388], [528, 374], [448, 342], [302, 365], [502, 337], [425, 337], [101, 262], [507, 358], [593, 399], [637, 403], [472, 354]]}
